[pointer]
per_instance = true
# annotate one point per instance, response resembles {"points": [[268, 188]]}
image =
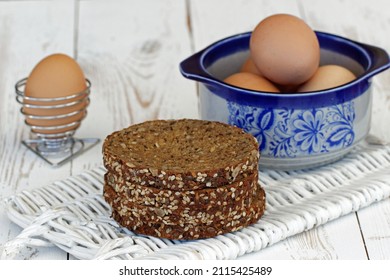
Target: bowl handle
{"points": [[191, 68], [380, 60]]}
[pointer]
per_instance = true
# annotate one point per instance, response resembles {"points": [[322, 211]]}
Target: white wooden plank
{"points": [[375, 225], [29, 31], [214, 19], [328, 242]]}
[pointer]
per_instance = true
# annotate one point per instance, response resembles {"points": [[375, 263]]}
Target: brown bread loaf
{"points": [[181, 154], [146, 220], [188, 215], [186, 199], [183, 179]]}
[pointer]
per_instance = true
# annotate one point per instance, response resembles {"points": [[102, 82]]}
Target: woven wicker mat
{"points": [[72, 214]]}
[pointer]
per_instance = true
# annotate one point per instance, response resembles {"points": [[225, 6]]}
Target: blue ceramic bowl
{"points": [[294, 130]]}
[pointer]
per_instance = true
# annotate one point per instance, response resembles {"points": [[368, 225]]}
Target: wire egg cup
{"points": [[55, 143]]}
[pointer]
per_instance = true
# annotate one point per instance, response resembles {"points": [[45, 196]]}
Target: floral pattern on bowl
{"points": [[286, 133]]}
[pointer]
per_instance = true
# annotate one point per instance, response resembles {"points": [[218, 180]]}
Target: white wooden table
{"points": [[130, 50]]}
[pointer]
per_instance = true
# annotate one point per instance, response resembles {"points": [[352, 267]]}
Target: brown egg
{"points": [[328, 76], [56, 76], [285, 49], [251, 81], [249, 66]]}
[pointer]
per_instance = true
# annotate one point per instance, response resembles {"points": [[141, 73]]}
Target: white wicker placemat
{"points": [[72, 214]]}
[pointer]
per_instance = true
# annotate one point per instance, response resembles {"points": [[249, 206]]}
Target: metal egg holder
{"points": [[56, 148]]}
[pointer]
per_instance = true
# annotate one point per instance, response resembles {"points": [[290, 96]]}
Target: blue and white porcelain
{"points": [[294, 130]]}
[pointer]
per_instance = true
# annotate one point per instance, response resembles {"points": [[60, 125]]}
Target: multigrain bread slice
{"points": [[231, 194], [183, 179], [144, 220], [169, 216], [181, 154], [190, 232]]}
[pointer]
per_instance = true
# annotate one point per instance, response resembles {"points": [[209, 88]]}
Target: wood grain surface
{"points": [[131, 51]]}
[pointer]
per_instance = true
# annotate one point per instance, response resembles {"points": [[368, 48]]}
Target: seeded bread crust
{"points": [[181, 154], [207, 198], [166, 215], [141, 220]]}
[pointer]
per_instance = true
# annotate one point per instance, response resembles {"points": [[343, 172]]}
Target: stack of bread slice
{"points": [[183, 179]]}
